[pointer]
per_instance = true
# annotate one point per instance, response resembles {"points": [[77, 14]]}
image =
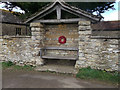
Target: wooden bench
{"points": [[43, 54]]}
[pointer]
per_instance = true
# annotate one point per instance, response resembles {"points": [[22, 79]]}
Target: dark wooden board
{"points": [[60, 57], [61, 48]]}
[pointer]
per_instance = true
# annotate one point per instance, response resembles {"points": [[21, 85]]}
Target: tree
{"points": [[32, 7], [98, 7], [28, 7]]}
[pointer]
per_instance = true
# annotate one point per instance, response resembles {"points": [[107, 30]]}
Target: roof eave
{"points": [[92, 17]]}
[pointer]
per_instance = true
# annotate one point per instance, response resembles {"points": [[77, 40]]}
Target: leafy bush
{"points": [[88, 73], [7, 64]]}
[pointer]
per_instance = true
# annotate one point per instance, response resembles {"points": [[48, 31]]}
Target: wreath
{"points": [[62, 40]]}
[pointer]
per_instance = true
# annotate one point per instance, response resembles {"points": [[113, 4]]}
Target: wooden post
{"points": [[58, 10]]}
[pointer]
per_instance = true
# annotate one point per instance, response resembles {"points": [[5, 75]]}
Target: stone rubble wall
{"points": [[1, 48], [18, 50], [97, 53], [38, 37], [52, 34], [23, 50]]}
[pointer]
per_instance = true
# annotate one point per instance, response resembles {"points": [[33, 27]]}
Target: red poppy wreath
{"points": [[62, 39]]}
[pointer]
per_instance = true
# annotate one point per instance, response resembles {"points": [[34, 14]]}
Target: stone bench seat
{"points": [[43, 54]]}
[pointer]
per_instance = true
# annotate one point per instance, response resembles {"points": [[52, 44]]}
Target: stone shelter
{"points": [[63, 32]]}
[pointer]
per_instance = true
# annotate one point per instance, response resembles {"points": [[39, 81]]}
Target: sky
{"points": [[110, 15], [17, 9]]}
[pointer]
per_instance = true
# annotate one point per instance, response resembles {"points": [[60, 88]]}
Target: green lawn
{"points": [[88, 73], [9, 64]]}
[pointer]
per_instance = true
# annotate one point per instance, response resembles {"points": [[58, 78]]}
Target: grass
{"points": [[88, 73], [9, 64]]}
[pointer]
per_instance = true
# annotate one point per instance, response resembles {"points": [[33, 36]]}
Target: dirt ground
{"points": [[34, 79]]}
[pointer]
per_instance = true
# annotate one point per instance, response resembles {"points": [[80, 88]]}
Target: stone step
{"points": [[57, 69]]}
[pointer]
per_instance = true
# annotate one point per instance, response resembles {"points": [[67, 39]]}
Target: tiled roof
{"points": [[106, 25], [65, 5], [8, 17], [106, 29]]}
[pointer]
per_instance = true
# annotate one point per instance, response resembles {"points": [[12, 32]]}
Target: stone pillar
{"points": [[0, 30], [1, 41], [84, 31], [1, 49], [37, 31], [119, 54]]}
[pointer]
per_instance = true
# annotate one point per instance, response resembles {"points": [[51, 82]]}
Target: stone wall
{"points": [[54, 31], [1, 47], [1, 40], [96, 53], [0, 29], [18, 50], [38, 37], [23, 50]]}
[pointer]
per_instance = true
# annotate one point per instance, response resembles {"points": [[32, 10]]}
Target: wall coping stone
{"points": [[84, 23], [1, 37], [16, 36], [104, 37], [36, 25]]}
